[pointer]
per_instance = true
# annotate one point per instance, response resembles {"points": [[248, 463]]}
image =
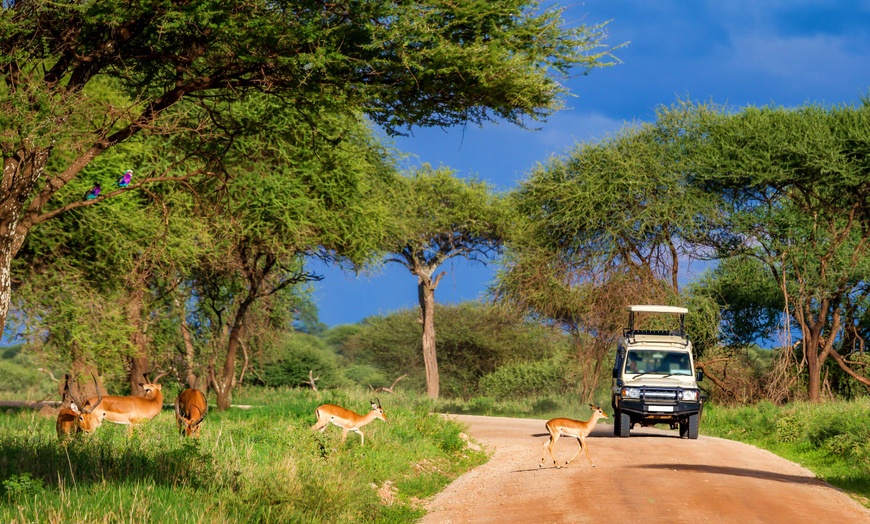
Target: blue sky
{"points": [[736, 52]]}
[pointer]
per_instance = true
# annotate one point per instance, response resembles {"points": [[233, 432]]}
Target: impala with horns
{"points": [[128, 410], [566, 427], [67, 419], [191, 408], [346, 419]]}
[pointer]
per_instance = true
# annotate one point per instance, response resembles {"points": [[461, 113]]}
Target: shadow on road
{"points": [[736, 472]]}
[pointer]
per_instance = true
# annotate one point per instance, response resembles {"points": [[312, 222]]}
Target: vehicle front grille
{"points": [[658, 395]]}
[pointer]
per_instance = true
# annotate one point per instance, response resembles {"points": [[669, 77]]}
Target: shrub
{"points": [[365, 375], [299, 354], [14, 377], [524, 379]]}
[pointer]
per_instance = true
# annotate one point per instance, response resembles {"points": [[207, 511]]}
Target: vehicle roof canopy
{"points": [[647, 308]]}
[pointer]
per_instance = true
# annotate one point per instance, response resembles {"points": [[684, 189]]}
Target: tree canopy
{"points": [[180, 67]]}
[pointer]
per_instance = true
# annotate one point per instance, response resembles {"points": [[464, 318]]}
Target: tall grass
{"points": [[262, 464]]}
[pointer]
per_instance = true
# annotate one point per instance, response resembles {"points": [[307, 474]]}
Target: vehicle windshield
{"points": [[658, 362]]}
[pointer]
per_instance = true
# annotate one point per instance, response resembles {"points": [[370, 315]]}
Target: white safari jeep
{"points": [[654, 378]]}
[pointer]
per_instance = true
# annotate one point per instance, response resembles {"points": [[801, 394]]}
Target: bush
{"points": [[291, 362], [17, 378], [365, 375], [524, 379]]}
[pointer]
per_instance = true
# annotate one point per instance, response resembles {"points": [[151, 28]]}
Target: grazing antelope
{"points": [[66, 420], [190, 410], [127, 410], [559, 427], [345, 419]]}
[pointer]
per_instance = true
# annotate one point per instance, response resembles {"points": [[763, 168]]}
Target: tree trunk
{"points": [[140, 364], [814, 375], [811, 346], [21, 172], [6, 257], [189, 352], [426, 295], [223, 385]]}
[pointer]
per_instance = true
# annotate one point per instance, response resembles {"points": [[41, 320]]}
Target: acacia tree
{"points": [[294, 192], [100, 268], [402, 64], [794, 193], [439, 217], [607, 226]]}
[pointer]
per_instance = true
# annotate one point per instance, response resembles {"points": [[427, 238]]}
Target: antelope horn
{"points": [[202, 417], [70, 393], [99, 396], [158, 377], [178, 409]]}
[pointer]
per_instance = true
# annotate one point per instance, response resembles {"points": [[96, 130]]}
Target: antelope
{"points": [[66, 420], [345, 419], [190, 410], [127, 410], [559, 427]]}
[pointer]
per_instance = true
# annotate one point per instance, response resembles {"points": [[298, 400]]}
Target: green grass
{"points": [[262, 464], [831, 439]]}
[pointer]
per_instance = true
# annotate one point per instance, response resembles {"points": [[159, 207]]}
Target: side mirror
{"points": [[615, 373], [699, 375]]}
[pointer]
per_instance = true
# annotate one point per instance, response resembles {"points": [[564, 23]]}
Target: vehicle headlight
{"points": [[690, 394], [630, 393]]}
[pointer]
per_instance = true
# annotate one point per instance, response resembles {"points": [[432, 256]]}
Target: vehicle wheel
{"points": [[692, 429], [624, 424], [616, 423]]}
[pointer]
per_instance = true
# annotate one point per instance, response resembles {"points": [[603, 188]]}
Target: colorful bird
{"points": [[93, 192], [125, 179]]}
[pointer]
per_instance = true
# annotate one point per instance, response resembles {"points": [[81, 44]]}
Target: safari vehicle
{"points": [[654, 378]]}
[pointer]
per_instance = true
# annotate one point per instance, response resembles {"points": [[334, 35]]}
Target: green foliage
{"points": [[790, 185], [262, 464], [750, 302], [14, 377], [19, 486], [263, 111], [10, 352], [365, 375], [298, 354], [526, 379]]}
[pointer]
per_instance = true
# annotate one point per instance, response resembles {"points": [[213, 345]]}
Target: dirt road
{"points": [[653, 476]]}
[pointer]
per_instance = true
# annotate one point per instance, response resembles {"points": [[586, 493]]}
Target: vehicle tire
{"points": [[684, 428], [624, 424], [694, 421], [616, 423]]}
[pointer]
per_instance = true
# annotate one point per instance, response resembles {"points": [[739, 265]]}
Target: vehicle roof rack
{"points": [[629, 333]]}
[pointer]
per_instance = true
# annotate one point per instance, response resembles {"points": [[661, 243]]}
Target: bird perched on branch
{"points": [[124, 180], [93, 192]]}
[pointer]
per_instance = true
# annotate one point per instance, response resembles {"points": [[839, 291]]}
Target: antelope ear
{"points": [[72, 406]]}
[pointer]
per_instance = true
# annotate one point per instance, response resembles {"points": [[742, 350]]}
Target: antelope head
{"points": [[87, 421]]}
